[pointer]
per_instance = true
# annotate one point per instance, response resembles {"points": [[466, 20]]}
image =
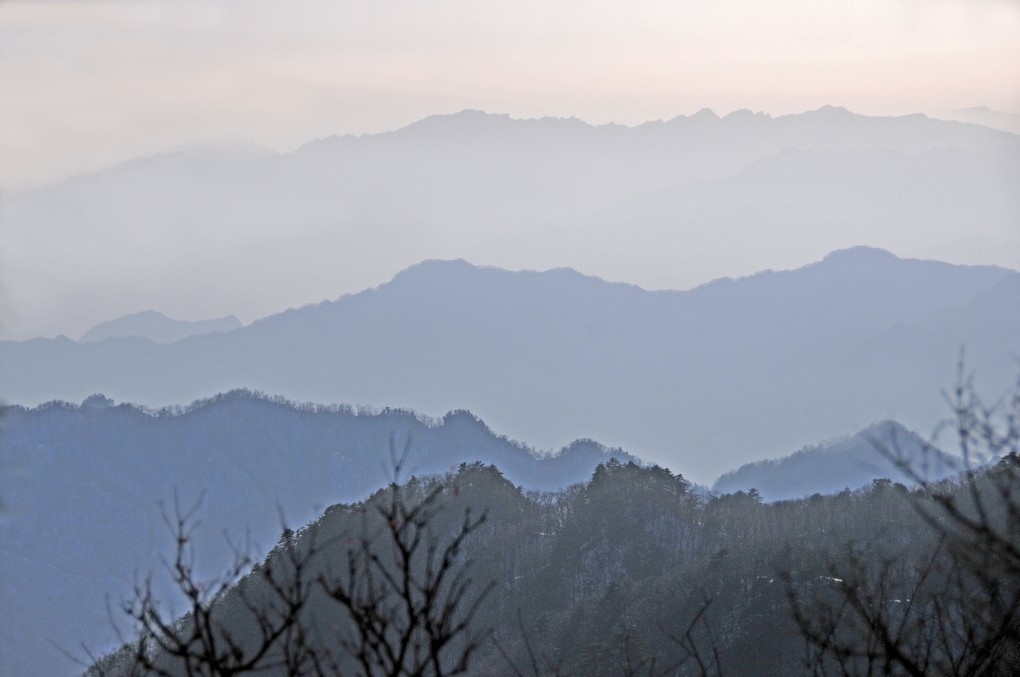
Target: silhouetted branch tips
{"points": [[407, 610], [407, 598], [632, 573], [954, 609], [692, 650]]}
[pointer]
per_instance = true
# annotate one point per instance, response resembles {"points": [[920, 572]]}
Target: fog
{"points": [[235, 229], [90, 84]]}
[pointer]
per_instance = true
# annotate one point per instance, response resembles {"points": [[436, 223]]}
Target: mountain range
{"points": [[666, 204], [83, 487], [703, 380], [700, 381]]}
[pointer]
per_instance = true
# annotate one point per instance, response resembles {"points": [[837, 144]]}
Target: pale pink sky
{"points": [[88, 83]]}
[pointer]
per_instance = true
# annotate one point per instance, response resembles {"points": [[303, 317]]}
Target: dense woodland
{"points": [[627, 573]]}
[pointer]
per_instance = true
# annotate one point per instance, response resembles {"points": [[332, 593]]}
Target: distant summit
{"points": [[851, 463], [704, 114], [156, 327], [457, 275], [862, 255], [844, 129], [860, 252], [830, 111]]}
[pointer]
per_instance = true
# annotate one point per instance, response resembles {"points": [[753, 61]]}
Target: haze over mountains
{"points": [[702, 380], [202, 233], [156, 327], [250, 252]]}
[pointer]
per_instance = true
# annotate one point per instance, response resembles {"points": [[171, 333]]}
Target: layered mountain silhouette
{"points": [[156, 327], [82, 484], [885, 450], [663, 204], [983, 115], [630, 552], [702, 381]]}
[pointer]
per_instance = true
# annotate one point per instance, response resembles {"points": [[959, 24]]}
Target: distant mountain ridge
{"points": [[664, 204], [851, 463], [157, 327], [694, 379], [802, 130], [97, 473]]}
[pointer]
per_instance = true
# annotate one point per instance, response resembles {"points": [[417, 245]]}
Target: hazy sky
{"points": [[86, 83]]}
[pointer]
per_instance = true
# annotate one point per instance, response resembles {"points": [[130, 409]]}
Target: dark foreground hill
{"points": [[80, 487], [613, 578]]}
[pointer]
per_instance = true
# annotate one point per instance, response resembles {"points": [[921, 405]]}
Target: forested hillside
{"points": [[626, 574], [82, 485]]}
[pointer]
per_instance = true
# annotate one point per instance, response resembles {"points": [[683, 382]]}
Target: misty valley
{"points": [[621, 462]]}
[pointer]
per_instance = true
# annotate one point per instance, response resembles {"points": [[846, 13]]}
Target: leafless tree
{"points": [[696, 658], [412, 607], [403, 604], [953, 606], [205, 639]]}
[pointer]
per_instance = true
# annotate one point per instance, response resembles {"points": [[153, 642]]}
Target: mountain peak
{"points": [[432, 269], [746, 114], [830, 111], [469, 115], [704, 114], [445, 271], [472, 121], [859, 254], [848, 463], [96, 403]]}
